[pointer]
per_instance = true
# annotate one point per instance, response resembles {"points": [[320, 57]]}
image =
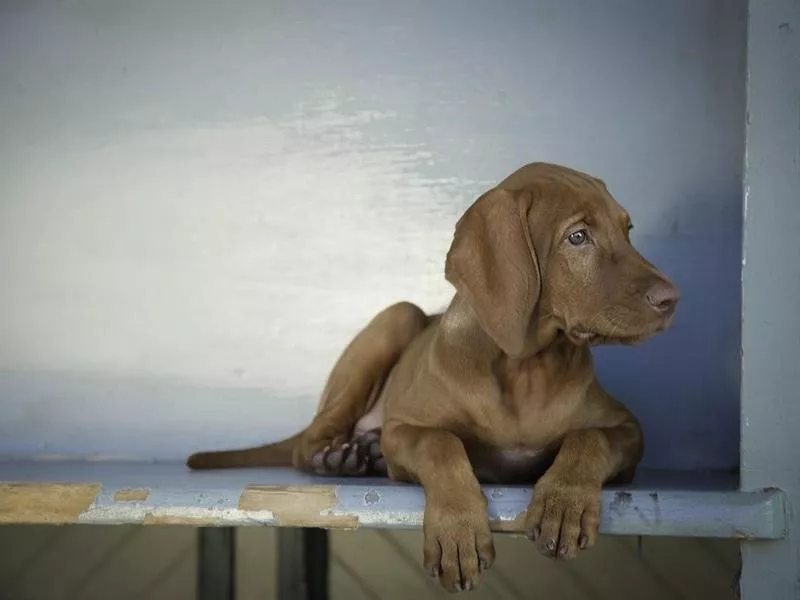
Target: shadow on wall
{"points": [[110, 416], [690, 419]]}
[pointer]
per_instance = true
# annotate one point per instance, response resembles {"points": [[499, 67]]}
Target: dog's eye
{"points": [[576, 238]]}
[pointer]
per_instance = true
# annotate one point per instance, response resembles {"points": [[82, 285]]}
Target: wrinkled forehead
{"points": [[577, 197]]}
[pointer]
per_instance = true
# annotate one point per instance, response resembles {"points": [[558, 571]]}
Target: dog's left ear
{"points": [[492, 263]]}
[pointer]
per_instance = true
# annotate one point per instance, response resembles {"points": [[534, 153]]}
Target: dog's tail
{"points": [[277, 454]]}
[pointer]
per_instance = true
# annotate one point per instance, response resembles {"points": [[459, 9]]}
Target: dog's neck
{"points": [[460, 327]]}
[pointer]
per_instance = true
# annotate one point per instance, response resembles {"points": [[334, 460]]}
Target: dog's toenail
{"points": [[468, 585], [534, 533], [583, 542], [563, 550], [483, 564], [551, 545]]}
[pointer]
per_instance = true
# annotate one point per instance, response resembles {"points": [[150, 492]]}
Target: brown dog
{"points": [[500, 387]]}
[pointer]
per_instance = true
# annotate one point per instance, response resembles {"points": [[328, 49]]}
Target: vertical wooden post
{"points": [[770, 453]]}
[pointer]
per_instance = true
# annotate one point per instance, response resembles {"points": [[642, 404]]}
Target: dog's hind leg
{"points": [[331, 445]]}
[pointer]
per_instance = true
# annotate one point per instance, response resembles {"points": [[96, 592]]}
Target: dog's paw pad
{"points": [[359, 455], [346, 458], [371, 444]]}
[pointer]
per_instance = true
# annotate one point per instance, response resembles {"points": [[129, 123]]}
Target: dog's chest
{"points": [[538, 400], [543, 375], [517, 433]]}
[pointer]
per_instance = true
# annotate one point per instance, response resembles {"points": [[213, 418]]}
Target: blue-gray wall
{"points": [[201, 202]]}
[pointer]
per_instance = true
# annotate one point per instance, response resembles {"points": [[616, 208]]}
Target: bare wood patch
{"points": [[132, 495], [297, 506], [51, 503]]}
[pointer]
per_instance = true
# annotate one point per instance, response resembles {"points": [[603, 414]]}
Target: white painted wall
{"points": [[201, 202]]}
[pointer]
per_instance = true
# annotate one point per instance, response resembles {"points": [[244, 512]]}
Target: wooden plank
{"points": [[256, 561], [607, 570], [178, 581], [345, 584], [74, 568], [657, 503], [29, 542], [133, 567], [389, 573], [694, 568], [495, 583], [177, 577]]}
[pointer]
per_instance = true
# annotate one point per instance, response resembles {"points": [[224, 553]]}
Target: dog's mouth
{"points": [[583, 336]]}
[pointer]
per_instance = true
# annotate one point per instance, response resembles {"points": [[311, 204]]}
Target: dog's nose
{"points": [[663, 297]]}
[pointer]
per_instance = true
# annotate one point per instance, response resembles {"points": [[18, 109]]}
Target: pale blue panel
{"points": [[201, 202]]}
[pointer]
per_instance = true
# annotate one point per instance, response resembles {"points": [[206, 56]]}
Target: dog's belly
{"points": [[373, 418], [515, 465]]}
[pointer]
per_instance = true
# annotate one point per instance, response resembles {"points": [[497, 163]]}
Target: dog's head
{"points": [[549, 250]]}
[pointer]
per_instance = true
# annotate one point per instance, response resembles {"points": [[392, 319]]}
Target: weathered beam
{"points": [[657, 503]]}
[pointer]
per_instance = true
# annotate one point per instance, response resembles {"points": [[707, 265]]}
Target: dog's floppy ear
{"points": [[492, 263]]}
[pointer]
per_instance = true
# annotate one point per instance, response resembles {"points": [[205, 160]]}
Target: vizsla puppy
{"points": [[500, 387]]}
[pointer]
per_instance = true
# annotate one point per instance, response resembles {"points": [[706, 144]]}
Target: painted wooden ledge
{"points": [[657, 503]]}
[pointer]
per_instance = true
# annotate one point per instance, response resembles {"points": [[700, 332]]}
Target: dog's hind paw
{"points": [[371, 442], [346, 459], [360, 455]]}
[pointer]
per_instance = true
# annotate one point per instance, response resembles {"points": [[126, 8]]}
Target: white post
{"points": [[770, 433]]}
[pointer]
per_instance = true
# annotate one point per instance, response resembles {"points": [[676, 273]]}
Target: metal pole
{"points": [[303, 563], [216, 563]]}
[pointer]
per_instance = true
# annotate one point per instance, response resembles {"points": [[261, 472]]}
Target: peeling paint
{"points": [[515, 524], [620, 502], [656, 507], [642, 515], [372, 497], [202, 516], [174, 515]]}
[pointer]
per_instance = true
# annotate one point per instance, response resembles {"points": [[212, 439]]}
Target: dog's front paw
{"points": [[564, 515], [458, 542]]}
